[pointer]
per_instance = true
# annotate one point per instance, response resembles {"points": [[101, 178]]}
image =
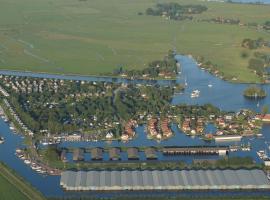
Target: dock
{"points": [[196, 150]]}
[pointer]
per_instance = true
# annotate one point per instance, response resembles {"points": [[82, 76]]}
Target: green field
{"points": [[13, 187], [96, 36]]}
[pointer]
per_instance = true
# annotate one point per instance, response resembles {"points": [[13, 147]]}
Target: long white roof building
{"points": [[164, 180]]}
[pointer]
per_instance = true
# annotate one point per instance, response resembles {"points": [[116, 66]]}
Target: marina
{"points": [[198, 79]]}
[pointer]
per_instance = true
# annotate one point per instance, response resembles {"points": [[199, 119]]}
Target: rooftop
{"points": [[164, 180]]}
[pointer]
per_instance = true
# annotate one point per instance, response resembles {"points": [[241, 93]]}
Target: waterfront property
{"points": [[164, 180]]}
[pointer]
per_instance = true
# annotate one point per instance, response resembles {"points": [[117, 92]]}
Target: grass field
{"points": [[14, 188], [94, 37]]}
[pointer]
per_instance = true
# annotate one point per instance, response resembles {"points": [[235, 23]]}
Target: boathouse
{"points": [[150, 153], [97, 153], [114, 153], [78, 155], [133, 153], [164, 180]]}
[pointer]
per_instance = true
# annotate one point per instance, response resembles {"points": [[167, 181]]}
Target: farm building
{"points": [[164, 180]]}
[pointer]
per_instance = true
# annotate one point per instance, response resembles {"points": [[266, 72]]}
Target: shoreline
{"points": [[28, 73]]}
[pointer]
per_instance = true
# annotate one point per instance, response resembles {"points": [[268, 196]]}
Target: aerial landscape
{"points": [[124, 99]]}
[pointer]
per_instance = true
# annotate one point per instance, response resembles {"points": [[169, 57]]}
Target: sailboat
{"points": [[256, 96], [186, 84]]}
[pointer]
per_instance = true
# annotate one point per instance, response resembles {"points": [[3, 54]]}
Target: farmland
{"points": [[95, 37]]}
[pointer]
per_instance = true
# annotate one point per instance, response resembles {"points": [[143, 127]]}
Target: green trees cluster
{"points": [[266, 25], [175, 11], [167, 67], [84, 107], [253, 44]]}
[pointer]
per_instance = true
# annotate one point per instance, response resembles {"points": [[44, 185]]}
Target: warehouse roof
{"points": [[164, 180]]}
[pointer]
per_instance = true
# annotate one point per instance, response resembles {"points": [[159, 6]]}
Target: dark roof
{"points": [[78, 155], [133, 153], [114, 153], [150, 152], [97, 153], [63, 154]]}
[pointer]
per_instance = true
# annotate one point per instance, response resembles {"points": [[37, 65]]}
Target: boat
{"points": [[228, 138], [28, 162], [186, 84], [259, 135], [195, 94], [2, 140], [210, 85], [262, 154]]}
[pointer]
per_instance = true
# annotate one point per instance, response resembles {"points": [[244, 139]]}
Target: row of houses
{"points": [[4, 92], [129, 130], [29, 85], [159, 129], [17, 119], [193, 126]]}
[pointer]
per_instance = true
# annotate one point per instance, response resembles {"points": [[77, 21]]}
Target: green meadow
{"points": [[94, 37], [13, 187]]}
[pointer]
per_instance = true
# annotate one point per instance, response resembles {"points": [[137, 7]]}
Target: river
{"points": [[225, 95]]}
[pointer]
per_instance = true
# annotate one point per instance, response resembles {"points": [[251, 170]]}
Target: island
{"points": [[254, 92]]}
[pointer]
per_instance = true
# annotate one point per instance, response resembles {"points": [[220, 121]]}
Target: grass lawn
{"points": [[13, 187], [94, 37]]}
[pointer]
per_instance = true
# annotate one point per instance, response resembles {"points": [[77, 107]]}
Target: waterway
{"points": [[222, 94]]}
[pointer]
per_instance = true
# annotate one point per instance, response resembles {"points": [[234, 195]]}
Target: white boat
{"points": [[228, 138], [186, 84], [2, 140], [210, 85], [27, 162], [195, 94]]}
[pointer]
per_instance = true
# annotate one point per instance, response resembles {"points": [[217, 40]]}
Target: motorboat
{"points": [[2, 140], [195, 94]]}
